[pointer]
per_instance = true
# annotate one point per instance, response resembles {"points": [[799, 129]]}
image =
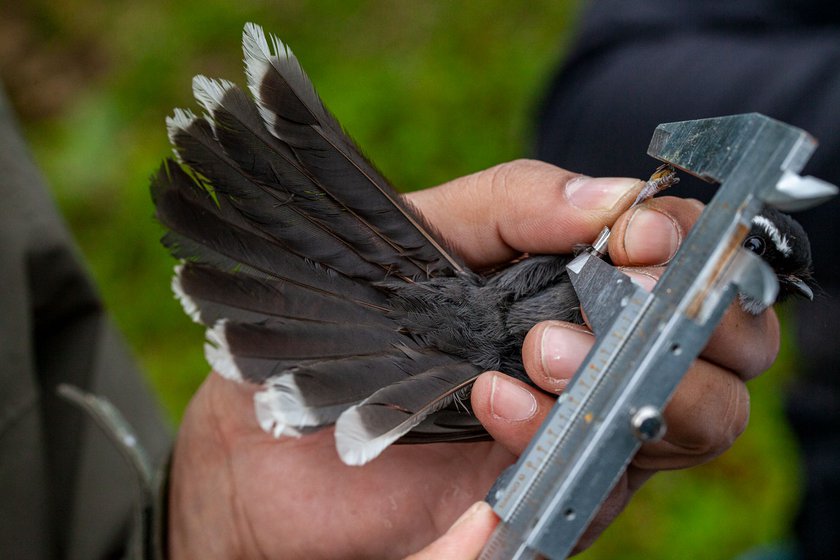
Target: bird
{"points": [[323, 286], [782, 242]]}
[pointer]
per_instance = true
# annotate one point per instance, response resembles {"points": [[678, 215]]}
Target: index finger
{"points": [[523, 206], [744, 343]]}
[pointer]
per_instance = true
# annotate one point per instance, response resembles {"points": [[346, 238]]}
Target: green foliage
{"points": [[430, 89]]}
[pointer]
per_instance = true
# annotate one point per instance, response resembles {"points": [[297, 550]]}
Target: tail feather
{"points": [[197, 232], [202, 232], [173, 187], [313, 395], [364, 430], [258, 351], [239, 368], [450, 424], [269, 210], [212, 295], [295, 114], [305, 340], [265, 159], [328, 382]]}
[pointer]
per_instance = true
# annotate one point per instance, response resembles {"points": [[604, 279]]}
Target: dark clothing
{"points": [[65, 491], [638, 64]]}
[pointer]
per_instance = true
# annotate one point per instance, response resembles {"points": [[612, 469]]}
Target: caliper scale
{"points": [[645, 342]]}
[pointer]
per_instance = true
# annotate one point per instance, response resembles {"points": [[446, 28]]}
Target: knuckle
{"points": [[740, 415], [724, 428], [526, 194], [504, 176], [766, 346], [706, 421], [503, 182]]}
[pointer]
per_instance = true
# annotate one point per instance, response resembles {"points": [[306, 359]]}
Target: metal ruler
{"points": [[645, 342]]}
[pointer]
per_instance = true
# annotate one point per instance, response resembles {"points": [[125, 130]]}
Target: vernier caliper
{"points": [[645, 342]]}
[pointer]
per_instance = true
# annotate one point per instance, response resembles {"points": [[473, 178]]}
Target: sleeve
{"points": [[66, 491]]}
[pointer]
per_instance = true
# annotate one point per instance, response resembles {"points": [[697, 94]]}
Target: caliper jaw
{"points": [[722, 147]]}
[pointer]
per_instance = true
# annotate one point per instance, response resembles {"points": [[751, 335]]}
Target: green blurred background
{"points": [[430, 89]]}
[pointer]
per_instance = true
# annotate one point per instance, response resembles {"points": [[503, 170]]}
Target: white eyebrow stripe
{"points": [[781, 241]]}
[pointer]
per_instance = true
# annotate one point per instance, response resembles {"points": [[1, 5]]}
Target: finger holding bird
{"points": [[524, 206]]}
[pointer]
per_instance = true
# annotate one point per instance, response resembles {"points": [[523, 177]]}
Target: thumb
{"points": [[523, 206]]}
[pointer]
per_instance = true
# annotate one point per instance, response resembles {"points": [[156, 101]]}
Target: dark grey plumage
{"points": [[319, 283]]}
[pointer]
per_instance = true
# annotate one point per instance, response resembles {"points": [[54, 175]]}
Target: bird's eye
{"points": [[755, 244]]}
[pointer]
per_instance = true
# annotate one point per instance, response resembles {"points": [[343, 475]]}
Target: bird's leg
{"points": [[665, 176]]}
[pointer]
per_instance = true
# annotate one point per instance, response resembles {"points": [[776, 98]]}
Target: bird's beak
{"points": [[800, 287]]}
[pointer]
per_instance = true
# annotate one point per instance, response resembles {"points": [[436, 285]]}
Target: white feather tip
{"points": [[356, 445], [270, 415], [187, 303], [217, 353], [209, 92]]}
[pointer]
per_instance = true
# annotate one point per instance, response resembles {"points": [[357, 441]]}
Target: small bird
{"points": [[783, 244], [321, 284]]}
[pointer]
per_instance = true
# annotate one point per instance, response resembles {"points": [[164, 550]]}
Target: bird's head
{"points": [[782, 243]]}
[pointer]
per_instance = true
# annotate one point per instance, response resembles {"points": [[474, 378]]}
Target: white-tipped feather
{"points": [[260, 62], [256, 50], [257, 65], [271, 415], [209, 92], [354, 443], [262, 59], [187, 303], [217, 352], [181, 119], [288, 398]]}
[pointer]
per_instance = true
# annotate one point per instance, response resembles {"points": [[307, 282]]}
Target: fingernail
{"points": [[643, 279], [509, 401], [473, 510], [651, 237], [561, 352], [603, 193]]}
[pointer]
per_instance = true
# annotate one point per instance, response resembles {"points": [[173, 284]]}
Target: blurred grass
{"points": [[431, 89]]}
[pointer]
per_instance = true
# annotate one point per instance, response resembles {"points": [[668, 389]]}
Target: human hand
{"points": [[710, 407], [238, 492]]}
